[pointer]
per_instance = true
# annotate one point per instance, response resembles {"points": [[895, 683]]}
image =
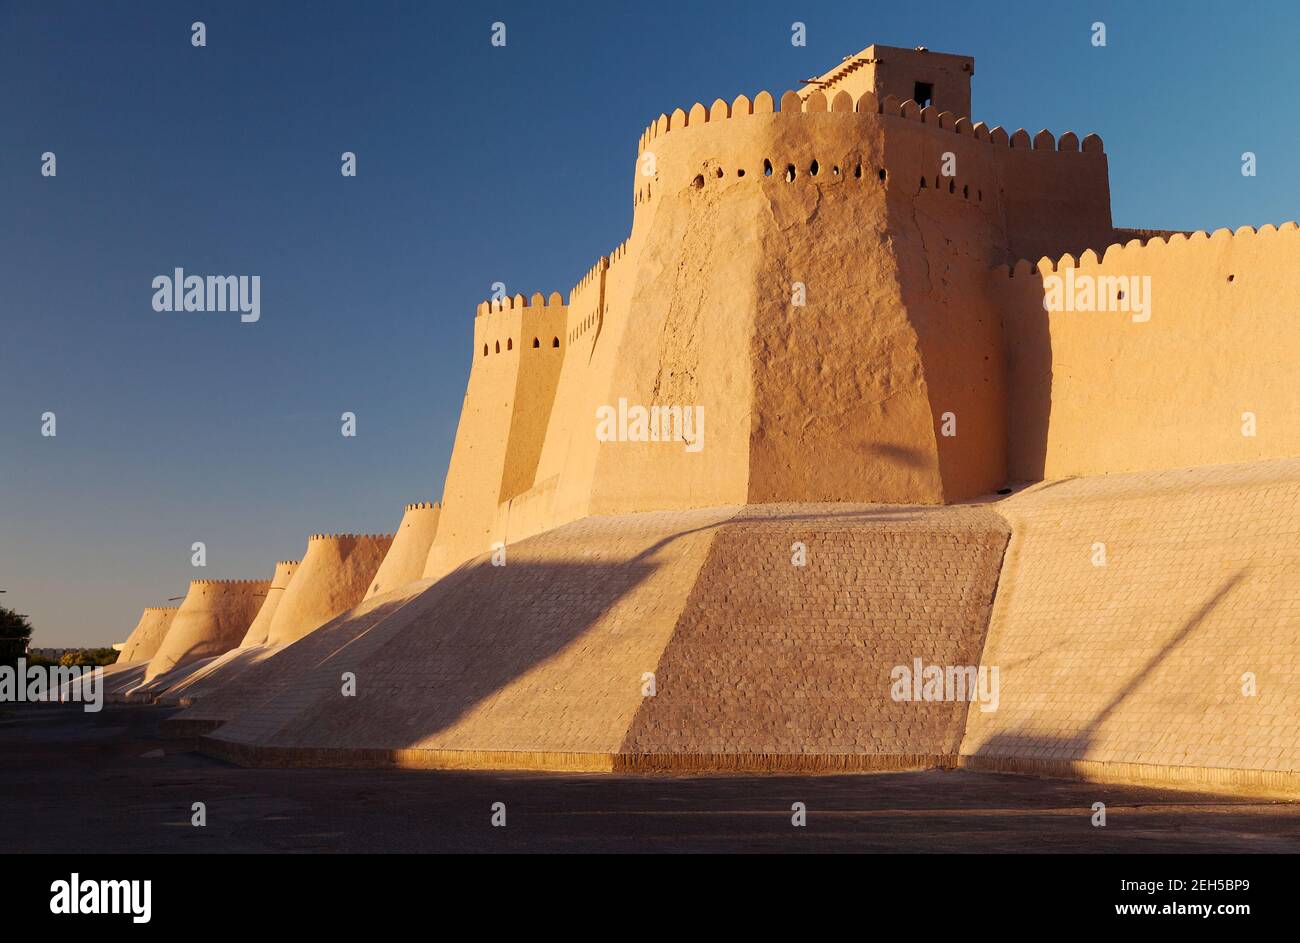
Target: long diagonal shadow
{"points": [[1021, 743], [1155, 660]]}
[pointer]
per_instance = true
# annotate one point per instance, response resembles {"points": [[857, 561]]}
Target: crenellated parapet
{"points": [[1165, 352], [406, 556], [1131, 251], [333, 576], [517, 302], [506, 325], [315, 537], [148, 634], [590, 277], [865, 105], [230, 583], [211, 620], [1047, 192]]}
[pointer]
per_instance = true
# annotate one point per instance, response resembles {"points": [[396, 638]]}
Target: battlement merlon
{"points": [[939, 79]]}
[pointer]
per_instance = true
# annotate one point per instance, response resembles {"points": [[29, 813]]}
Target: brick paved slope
{"points": [[1134, 670], [543, 662], [772, 658]]}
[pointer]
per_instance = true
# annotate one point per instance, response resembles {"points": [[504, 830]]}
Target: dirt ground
{"points": [[78, 782]]}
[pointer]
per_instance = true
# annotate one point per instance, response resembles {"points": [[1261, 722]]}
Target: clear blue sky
{"points": [[476, 164]]}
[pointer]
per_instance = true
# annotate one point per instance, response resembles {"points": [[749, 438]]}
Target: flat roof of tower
{"points": [[876, 53]]}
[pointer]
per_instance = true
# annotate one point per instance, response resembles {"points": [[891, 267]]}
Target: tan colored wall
{"points": [[561, 490], [1135, 665], [543, 654], [257, 632], [334, 575], [118, 683], [897, 331], [1128, 671], [180, 687], [771, 658], [535, 385], [264, 687], [891, 70], [841, 399], [147, 635], [1095, 392], [1138, 664], [531, 512], [674, 331], [405, 560], [477, 469], [1056, 194], [542, 662], [212, 619], [958, 333]]}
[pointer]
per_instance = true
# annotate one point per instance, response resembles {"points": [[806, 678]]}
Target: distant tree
{"points": [[101, 656], [88, 658], [15, 633]]}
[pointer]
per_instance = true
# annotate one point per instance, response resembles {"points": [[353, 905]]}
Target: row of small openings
{"points": [[510, 344], [952, 187], [641, 195], [791, 172]]}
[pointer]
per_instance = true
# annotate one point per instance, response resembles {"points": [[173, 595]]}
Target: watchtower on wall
{"points": [[889, 211], [937, 79]]}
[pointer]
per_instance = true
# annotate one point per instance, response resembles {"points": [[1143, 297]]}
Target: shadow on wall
{"points": [[232, 692], [472, 636], [469, 641], [1029, 745], [190, 662], [1027, 348], [900, 454]]}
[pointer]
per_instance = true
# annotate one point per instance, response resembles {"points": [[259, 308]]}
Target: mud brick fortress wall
{"points": [[543, 661], [823, 425], [733, 204], [793, 662], [1096, 392], [542, 657], [334, 575], [922, 300], [213, 618], [1137, 669], [147, 635], [919, 304]]}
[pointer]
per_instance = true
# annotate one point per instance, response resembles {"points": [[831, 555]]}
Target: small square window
{"points": [[923, 94]]}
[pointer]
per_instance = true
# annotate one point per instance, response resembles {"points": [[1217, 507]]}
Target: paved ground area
{"points": [[77, 782]]}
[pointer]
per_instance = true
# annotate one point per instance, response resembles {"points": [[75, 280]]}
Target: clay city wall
{"points": [[732, 206], [261, 626], [211, 620], [334, 575], [673, 640], [1190, 362], [1147, 628], [147, 635], [848, 318], [1053, 193], [404, 562], [488, 437], [544, 655], [784, 654]]}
